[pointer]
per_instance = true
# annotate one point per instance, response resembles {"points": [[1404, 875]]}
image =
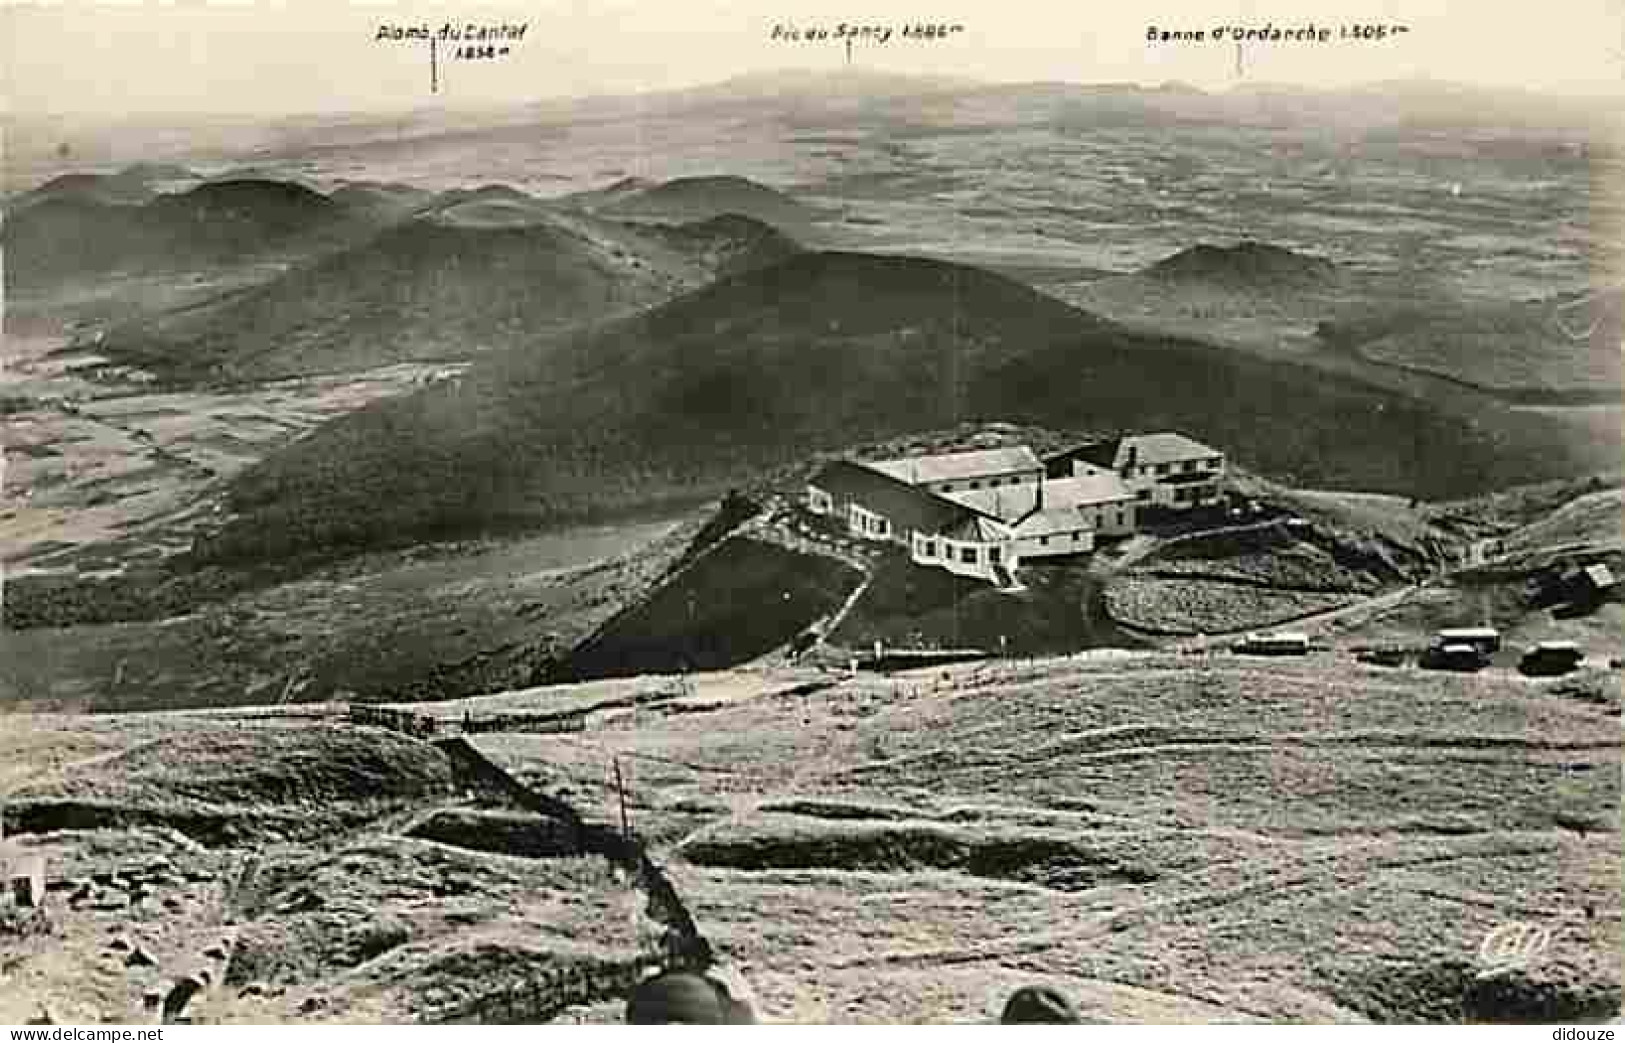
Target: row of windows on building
{"points": [[1184, 467], [871, 523], [968, 554], [991, 483]]}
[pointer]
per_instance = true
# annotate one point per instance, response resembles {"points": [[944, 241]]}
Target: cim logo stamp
{"points": [[1512, 947]]}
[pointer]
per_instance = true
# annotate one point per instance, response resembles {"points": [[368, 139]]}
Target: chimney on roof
{"points": [[1130, 457]]}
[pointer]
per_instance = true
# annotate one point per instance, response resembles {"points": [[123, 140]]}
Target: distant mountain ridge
{"points": [[865, 93]]}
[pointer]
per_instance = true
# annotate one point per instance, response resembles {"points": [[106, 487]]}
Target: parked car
{"points": [[1485, 639], [1384, 655], [1551, 659], [1463, 657], [1272, 644]]}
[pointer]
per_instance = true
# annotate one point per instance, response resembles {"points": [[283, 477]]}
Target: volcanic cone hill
{"points": [[66, 236], [699, 198], [680, 403], [474, 271], [1248, 261]]}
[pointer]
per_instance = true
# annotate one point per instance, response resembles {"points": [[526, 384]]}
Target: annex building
{"points": [[1164, 469]]}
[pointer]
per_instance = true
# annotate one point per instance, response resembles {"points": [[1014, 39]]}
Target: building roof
{"points": [[1101, 454], [975, 528], [1165, 447], [1012, 502], [908, 508], [20, 867], [952, 467], [1160, 447], [1052, 520]]}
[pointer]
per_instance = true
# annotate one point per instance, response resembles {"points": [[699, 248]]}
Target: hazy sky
{"points": [[320, 55]]}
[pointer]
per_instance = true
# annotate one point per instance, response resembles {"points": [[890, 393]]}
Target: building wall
{"points": [[1149, 487], [925, 548], [1055, 545], [944, 553], [986, 481], [1083, 468], [1166, 495], [860, 521], [22, 881], [1112, 519], [869, 525]]}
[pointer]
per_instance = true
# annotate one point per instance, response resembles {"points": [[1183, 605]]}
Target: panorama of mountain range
{"points": [[433, 462]]}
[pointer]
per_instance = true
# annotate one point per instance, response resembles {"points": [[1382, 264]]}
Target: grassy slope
{"points": [[222, 784], [1354, 546], [452, 621], [303, 888], [824, 350], [1163, 839]]}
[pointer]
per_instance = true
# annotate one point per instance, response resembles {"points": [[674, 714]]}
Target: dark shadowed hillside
{"points": [[64, 237], [234, 214], [740, 602], [727, 244], [480, 270], [821, 351]]}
